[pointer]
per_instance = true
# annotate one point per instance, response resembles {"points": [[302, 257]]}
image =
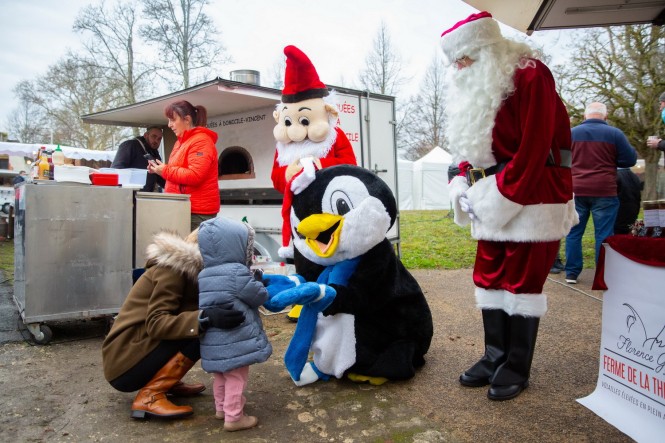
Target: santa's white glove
{"points": [[465, 205], [303, 180]]}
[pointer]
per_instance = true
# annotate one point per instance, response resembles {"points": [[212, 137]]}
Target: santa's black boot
{"points": [[495, 322], [512, 377]]}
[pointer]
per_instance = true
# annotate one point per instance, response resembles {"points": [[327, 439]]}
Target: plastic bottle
{"points": [[58, 157], [43, 167], [34, 170], [51, 167]]}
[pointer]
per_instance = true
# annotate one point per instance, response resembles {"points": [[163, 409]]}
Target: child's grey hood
{"points": [[223, 240]]}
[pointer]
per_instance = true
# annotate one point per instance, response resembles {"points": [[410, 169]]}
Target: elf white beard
{"points": [[475, 96], [287, 153]]}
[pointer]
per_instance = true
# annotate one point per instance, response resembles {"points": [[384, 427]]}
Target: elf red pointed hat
{"points": [[470, 34], [301, 82]]}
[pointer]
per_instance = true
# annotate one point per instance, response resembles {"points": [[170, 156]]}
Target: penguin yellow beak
{"points": [[322, 233]]}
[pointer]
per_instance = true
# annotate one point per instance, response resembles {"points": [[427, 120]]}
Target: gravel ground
{"points": [[57, 392]]}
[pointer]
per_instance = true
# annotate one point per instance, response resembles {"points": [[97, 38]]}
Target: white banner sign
{"points": [[630, 393]]}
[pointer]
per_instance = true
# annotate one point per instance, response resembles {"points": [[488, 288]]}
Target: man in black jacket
{"points": [[132, 154], [629, 191]]}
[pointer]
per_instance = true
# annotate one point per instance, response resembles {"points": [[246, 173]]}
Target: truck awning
{"points": [[535, 15], [219, 97]]}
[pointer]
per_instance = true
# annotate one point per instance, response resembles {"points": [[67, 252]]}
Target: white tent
{"points": [[430, 180], [405, 183], [30, 150]]}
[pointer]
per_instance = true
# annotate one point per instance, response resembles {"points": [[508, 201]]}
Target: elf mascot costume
{"points": [[308, 137], [363, 315]]}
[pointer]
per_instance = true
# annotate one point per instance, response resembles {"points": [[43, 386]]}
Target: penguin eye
{"points": [[304, 121], [287, 121], [341, 202]]}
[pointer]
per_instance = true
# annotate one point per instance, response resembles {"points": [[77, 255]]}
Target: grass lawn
{"points": [[7, 260], [430, 240]]}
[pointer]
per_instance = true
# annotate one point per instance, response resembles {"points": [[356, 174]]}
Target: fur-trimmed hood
{"points": [[170, 250]]}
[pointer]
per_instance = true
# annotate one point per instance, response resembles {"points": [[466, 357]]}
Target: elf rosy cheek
{"points": [[281, 134], [318, 131]]}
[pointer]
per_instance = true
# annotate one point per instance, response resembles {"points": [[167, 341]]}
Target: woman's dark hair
{"points": [[183, 108]]}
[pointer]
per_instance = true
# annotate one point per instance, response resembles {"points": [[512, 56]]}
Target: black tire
{"points": [[48, 335]]}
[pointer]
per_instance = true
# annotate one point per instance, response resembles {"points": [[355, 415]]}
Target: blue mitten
{"points": [[296, 355], [300, 295], [276, 283]]}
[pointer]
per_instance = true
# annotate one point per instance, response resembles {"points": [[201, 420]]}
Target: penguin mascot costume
{"points": [[363, 315]]}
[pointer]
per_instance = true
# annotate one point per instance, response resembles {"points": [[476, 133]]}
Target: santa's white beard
{"points": [[287, 153], [475, 96]]}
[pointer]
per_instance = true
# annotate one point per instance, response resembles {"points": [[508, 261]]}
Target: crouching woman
{"points": [[154, 340]]}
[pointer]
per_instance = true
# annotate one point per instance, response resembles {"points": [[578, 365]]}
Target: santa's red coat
{"points": [[521, 212], [528, 201]]}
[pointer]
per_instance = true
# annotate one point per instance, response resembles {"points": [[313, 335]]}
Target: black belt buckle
{"points": [[474, 174]]}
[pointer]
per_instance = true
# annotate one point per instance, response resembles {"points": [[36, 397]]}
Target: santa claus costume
{"points": [[302, 84], [510, 132]]}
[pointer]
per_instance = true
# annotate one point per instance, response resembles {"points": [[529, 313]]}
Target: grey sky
{"points": [[335, 35]]}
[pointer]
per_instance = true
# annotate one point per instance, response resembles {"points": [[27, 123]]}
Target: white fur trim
{"points": [[489, 298], [334, 344], [456, 188], [294, 279], [170, 250], [466, 39], [489, 205], [286, 251], [499, 219], [527, 305]]}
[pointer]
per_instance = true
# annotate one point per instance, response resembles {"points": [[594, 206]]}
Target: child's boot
{"points": [[245, 422]]}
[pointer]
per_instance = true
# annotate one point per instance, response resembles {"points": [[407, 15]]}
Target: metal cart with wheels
{"points": [[73, 253]]}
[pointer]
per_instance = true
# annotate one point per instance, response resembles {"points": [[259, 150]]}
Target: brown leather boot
{"points": [[182, 389], [151, 399]]}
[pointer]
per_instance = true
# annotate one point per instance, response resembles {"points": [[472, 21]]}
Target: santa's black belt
{"points": [[475, 174]]}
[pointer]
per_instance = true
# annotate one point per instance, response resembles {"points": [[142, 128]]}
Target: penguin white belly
{"points": [[334, 344]]}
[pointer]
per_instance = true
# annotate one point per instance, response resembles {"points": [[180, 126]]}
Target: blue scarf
{"points": [[297, 353]]}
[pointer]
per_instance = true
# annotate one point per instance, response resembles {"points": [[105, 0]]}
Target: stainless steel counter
{"points": [[75, 248]]}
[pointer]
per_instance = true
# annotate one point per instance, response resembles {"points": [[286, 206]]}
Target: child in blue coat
{"points": [[227, 248]]}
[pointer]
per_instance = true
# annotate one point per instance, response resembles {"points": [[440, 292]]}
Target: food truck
{"points": [[241, 112], [77, 244]]}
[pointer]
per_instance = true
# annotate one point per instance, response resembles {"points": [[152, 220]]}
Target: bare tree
{"points": [[27, 122], [622, 67], [383, 65], [276, 73], [71, 88], [185, 35], [112, 47], [424, 118]]}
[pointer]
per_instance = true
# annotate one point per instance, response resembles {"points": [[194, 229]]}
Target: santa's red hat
{"points": [[301, 82], [470, 34]]}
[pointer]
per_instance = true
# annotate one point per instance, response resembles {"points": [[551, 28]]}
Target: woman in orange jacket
{"points": [[192, 165]]}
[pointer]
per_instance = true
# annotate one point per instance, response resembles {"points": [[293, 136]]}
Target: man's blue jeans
{"points": [[604, 212]]}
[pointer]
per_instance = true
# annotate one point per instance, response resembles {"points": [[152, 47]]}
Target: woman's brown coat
{"points": [[162, 305]]}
